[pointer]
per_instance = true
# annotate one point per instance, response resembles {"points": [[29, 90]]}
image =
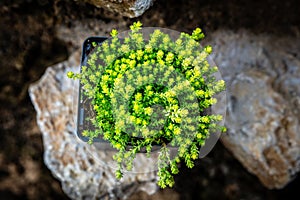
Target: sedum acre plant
{"points": [[151, 91]]}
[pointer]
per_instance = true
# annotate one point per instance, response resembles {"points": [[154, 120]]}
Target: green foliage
{"points": [[121, 79]]}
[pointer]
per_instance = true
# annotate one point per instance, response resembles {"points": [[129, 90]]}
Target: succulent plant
{"points": [[152, 91]]}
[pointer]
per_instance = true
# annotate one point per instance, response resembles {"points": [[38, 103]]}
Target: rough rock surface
{"points": [[129, 8], [82, 169], [263, 89]]}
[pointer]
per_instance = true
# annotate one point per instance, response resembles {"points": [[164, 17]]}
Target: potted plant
{"points": [[148, 91]]}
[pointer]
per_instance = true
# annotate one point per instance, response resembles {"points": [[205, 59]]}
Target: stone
{"points": [[84, 170], [128, 8], [262, 74], [263, 95]]}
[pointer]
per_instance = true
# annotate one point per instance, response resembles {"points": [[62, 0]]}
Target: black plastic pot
{"points": [[85, 109], [84, 105]]}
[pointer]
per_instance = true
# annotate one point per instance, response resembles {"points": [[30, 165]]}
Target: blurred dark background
{"points": [[29, 44]]}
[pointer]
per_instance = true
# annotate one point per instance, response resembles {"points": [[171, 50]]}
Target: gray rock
{"points": [[129, 8], [263, 90], [85, 171]]}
